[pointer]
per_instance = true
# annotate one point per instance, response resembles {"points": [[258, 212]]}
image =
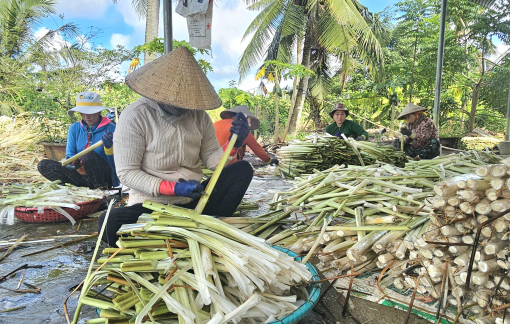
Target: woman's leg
{"points": [[118, 217], [232, 184], [53, 170], [98, 171]]}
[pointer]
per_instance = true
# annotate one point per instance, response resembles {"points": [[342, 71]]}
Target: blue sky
{"points": [[121, 25]]}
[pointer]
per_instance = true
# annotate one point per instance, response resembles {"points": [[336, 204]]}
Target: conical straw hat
{"points": [[255, 122], [175, 79], [409, 109]]}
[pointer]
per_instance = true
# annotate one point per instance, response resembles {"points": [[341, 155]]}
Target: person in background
{"points": [[163, 138], [97, 168], [223, 132], [344, 126], [421, 136]]}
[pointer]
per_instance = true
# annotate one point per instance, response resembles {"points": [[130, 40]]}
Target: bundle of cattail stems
{"points": [[19, 150], [322, 152], [380, 216], [175, 265], [442, 251]]}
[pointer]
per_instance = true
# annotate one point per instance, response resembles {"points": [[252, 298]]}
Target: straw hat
{"points": [[254, 121], [409, 109], [175, 79], [339, 107], [87, 103]]}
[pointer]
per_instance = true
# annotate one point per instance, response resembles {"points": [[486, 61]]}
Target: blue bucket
{"points": [[314, 292]]}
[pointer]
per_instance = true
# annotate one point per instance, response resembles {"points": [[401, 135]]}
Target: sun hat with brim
{"points": [[87, 103], [409, 109], [339, 107], [175, 79], [254, 121]]}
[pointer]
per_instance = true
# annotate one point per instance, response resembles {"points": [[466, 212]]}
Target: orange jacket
{"points": [[223, 133]]}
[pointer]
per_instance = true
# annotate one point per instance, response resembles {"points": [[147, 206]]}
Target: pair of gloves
{"points": [[192, 188], [409, 136], [107, 139], [360, 138]]}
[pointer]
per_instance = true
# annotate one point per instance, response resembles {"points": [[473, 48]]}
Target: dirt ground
{"points": [[58, 271]]}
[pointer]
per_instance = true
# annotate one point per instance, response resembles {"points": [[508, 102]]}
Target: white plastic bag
{"points": [[199, 28], [187, 8]]}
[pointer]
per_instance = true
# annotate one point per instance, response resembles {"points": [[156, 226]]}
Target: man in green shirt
{"points": [[347, 127]]}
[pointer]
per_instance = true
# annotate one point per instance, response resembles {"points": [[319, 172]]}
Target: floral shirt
{"points": [[425, 131]]}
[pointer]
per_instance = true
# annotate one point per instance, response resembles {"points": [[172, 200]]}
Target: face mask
{"points": [[173, 110]]}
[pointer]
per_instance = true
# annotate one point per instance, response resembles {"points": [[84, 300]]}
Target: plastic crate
{"points": [[30, 215]]}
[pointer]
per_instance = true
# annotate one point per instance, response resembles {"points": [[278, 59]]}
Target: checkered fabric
{"points": [[97, 169]]}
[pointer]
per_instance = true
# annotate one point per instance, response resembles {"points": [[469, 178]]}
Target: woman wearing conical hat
{"points": [[344, 126], [162, 139], [421, 139], [223, 133]]}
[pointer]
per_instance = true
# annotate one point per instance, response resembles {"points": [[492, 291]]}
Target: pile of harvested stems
{"points": [[48, 194], [177, 265], [480, 143], [323, 152], [19, 151], [380, 217], [462, 254]]}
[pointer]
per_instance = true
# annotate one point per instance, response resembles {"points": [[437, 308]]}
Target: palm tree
{"points": [[335, 26], [150, 10], [17, 21]]}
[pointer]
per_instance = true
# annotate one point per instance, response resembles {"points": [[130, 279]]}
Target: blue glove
{"points": [[339, 135], [107, 139], [241, 128], [192, 189], [361, 138]]}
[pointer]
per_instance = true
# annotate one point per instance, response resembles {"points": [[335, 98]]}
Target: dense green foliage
{"points": [[374, 62]]}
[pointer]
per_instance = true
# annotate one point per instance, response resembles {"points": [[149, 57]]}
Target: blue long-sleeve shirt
{"points": [[79, 138]]}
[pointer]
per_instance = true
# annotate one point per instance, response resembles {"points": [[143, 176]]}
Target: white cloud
{"points": [[56, 41], [227, 33], [119, 39], [91, 9], [131, 18]]}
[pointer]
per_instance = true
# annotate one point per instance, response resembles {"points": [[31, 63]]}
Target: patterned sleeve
{"points": [[425, 132]]}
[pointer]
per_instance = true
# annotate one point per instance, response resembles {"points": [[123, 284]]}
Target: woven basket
{"points": [[30, 215]]}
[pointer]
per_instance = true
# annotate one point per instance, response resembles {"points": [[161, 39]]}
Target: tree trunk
{"points": [[255, 133], [414, 65], [463, 115], [474, 103], [276, 126], [294, 90], [392, 116], [317, 116], [151, 27], [302, 90]]}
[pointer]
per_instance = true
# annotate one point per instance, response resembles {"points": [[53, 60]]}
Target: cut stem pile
{"points": [[323, 152], [440, 252], [19, 150], [178, 265], [48, 194]]}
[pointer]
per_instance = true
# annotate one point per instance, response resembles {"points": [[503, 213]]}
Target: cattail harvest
{"points": [[323, 152], [178, 265], [19, 151], [420, 220], [41, 195]]}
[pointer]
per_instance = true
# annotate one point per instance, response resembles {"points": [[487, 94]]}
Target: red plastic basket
{"points": [[30, 215]]}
